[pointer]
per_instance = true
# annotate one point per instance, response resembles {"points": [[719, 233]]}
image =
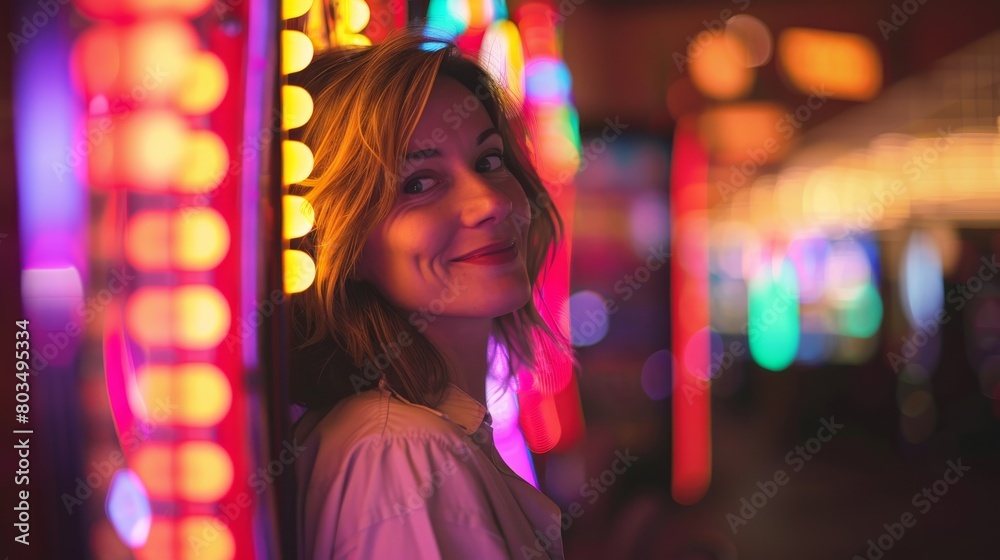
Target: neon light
{"points": [[296, 51], [195, 239], [547, 81], [773, 316], [199, 393], [920, 278], [203, 86], [127, 507], [447, 19], [692, 452], [294, 8], [149, 147], [299, 216], [194, 317], [300, 271], [204, 163], [296, 107], [298, 161]]}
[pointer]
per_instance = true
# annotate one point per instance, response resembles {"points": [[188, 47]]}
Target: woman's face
{"points": [[443, 251]]}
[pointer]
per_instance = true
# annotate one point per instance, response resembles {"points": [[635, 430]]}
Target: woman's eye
{"points": [[490, 162], [418, 185]]}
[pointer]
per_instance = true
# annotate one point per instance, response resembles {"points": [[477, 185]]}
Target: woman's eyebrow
{"points": [[485, 134], [434, 152]]}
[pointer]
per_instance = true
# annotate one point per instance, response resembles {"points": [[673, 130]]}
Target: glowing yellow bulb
{"points": [[202, 239], [205, 471], [201, 393], [153, 463], [299, 216], [297, 161], [222, 545], [204, 164], [204, 84], [294, 8], [194, 317], [296, 107], [356, 39], [149, 146], [300, 271], [358, 15], [202, 317], [296, 51], [196, 239]]}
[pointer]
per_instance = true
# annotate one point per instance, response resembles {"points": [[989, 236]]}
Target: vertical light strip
{"points": [[180, 308], [558, 421], [692, 452], [297, 159]]}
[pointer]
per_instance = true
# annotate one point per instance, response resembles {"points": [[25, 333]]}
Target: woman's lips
{"points": [[500, 256]]}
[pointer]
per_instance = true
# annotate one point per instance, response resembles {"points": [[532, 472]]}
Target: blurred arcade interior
{"points": [[781, 276]]}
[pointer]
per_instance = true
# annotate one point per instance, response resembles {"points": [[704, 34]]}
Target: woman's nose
{"points": [[481, 201]]}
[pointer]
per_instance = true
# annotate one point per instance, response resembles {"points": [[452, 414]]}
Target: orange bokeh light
{"points": [[204, 471], [188, 536], [203, 86], [155, 55], [95, 59], [718, 66], [204, 164], [746, 132], [192, 239], [842, 65], [193, 471], [149, 146], [195, 317], [200, 391]]}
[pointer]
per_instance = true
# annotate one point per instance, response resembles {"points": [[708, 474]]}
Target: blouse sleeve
{"points": [[416, 496]]}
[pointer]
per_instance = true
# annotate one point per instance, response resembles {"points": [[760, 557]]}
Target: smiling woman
{"points": [[431, 231]]}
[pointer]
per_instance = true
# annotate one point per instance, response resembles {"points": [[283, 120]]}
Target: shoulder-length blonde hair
{"points": [[346, 335]]}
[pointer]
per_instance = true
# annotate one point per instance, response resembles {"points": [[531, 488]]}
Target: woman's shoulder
{"points": [[373, 418]]}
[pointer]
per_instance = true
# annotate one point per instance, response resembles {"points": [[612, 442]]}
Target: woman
{"points": [[431, 231]]}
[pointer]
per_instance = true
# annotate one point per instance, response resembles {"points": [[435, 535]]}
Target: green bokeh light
{"points": [[773, 323]]}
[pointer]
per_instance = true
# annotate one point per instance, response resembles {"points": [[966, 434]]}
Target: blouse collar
{"points": [[456, 407]]}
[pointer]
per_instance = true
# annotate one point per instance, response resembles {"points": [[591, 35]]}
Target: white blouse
{"points": [[381, 477]]}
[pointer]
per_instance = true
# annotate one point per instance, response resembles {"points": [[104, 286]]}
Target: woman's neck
{"points": [[463, 342]]}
